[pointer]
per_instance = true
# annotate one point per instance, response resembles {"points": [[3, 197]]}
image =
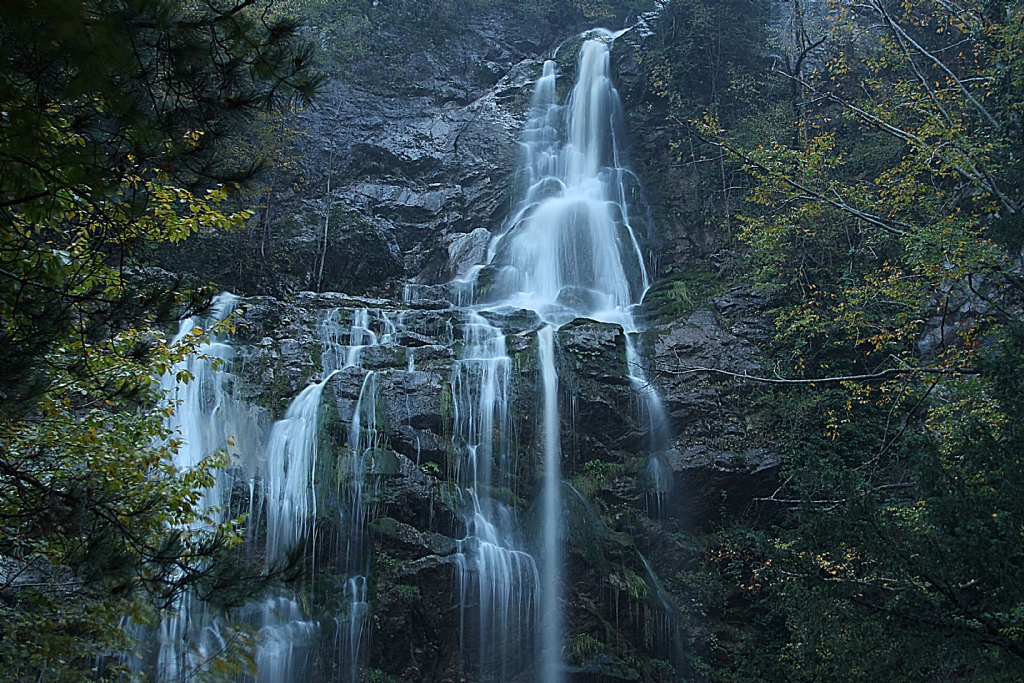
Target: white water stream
{"points": [[497, 581], [568, 250], [206, 419]]}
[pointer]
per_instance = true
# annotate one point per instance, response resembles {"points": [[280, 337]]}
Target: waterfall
{"points": [[569, 250], [288, 491], [291, 501], [365, 441], [201, 418], [204, 419], [553, 517], [364, 438], [289, 498], [492, 573]]}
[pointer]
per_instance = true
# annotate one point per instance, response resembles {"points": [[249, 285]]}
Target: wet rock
{"points": [[593, 368], [591, 336], [418, 499], [513, 320], [345, 388], [717, 487], [388, 184], [410, 339], [433, 352], [690, 360], [415, 415], [406, 541], [466, 251], [381, 357], [412, 204], [417, 620], [740, 301]]}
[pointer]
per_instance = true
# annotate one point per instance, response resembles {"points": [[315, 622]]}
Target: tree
{"points": [[105, 103], [115, 119], [887, 234]]}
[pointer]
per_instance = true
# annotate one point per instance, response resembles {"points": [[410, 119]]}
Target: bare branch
{"points": [[885, 374], [903, 35]]}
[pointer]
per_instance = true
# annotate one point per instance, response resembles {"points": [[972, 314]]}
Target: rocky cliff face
{"points": [[390, 186], [628, 542], [409, 188]]}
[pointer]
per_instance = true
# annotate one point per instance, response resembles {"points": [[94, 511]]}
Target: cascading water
{"points": [[497, 581], [288, 492], [364, 438], [204, 418], [569, 250], [552, 516], [291, 502], [289, 499], [365, 445]]}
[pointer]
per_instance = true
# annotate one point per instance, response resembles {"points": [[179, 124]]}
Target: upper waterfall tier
{"points": [[568, 248]]}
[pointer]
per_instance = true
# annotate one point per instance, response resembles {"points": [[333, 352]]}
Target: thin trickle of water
{"points": [[652, 411], [334, 352], [666, 622], [366, 443], [360, 336], [553, 531], [355, 624]]}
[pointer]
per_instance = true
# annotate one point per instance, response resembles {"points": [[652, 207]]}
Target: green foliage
{"points": [[583, 646], [432, 468], [405, 592], [114, 121], [706, 55], [114, 118], [95, 515], [879, 226], [908, 564], [680, 292]]}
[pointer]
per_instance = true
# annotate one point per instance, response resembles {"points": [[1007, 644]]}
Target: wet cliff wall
{"points": [[395, 180]]}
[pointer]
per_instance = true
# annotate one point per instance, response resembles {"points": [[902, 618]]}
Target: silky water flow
{"points": [[206, 419], [567, 250]]}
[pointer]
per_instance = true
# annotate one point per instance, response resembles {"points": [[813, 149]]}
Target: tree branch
{"points": [[875, 376]]}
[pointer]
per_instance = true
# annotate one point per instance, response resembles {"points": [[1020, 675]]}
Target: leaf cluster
{"points": [[114, 121]]}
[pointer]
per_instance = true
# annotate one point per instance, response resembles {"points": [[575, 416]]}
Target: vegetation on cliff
{"points": [[114, 118], [873, 154]]}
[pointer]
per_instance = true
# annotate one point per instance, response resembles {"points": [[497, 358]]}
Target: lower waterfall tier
{"points": [[422, 554]]}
